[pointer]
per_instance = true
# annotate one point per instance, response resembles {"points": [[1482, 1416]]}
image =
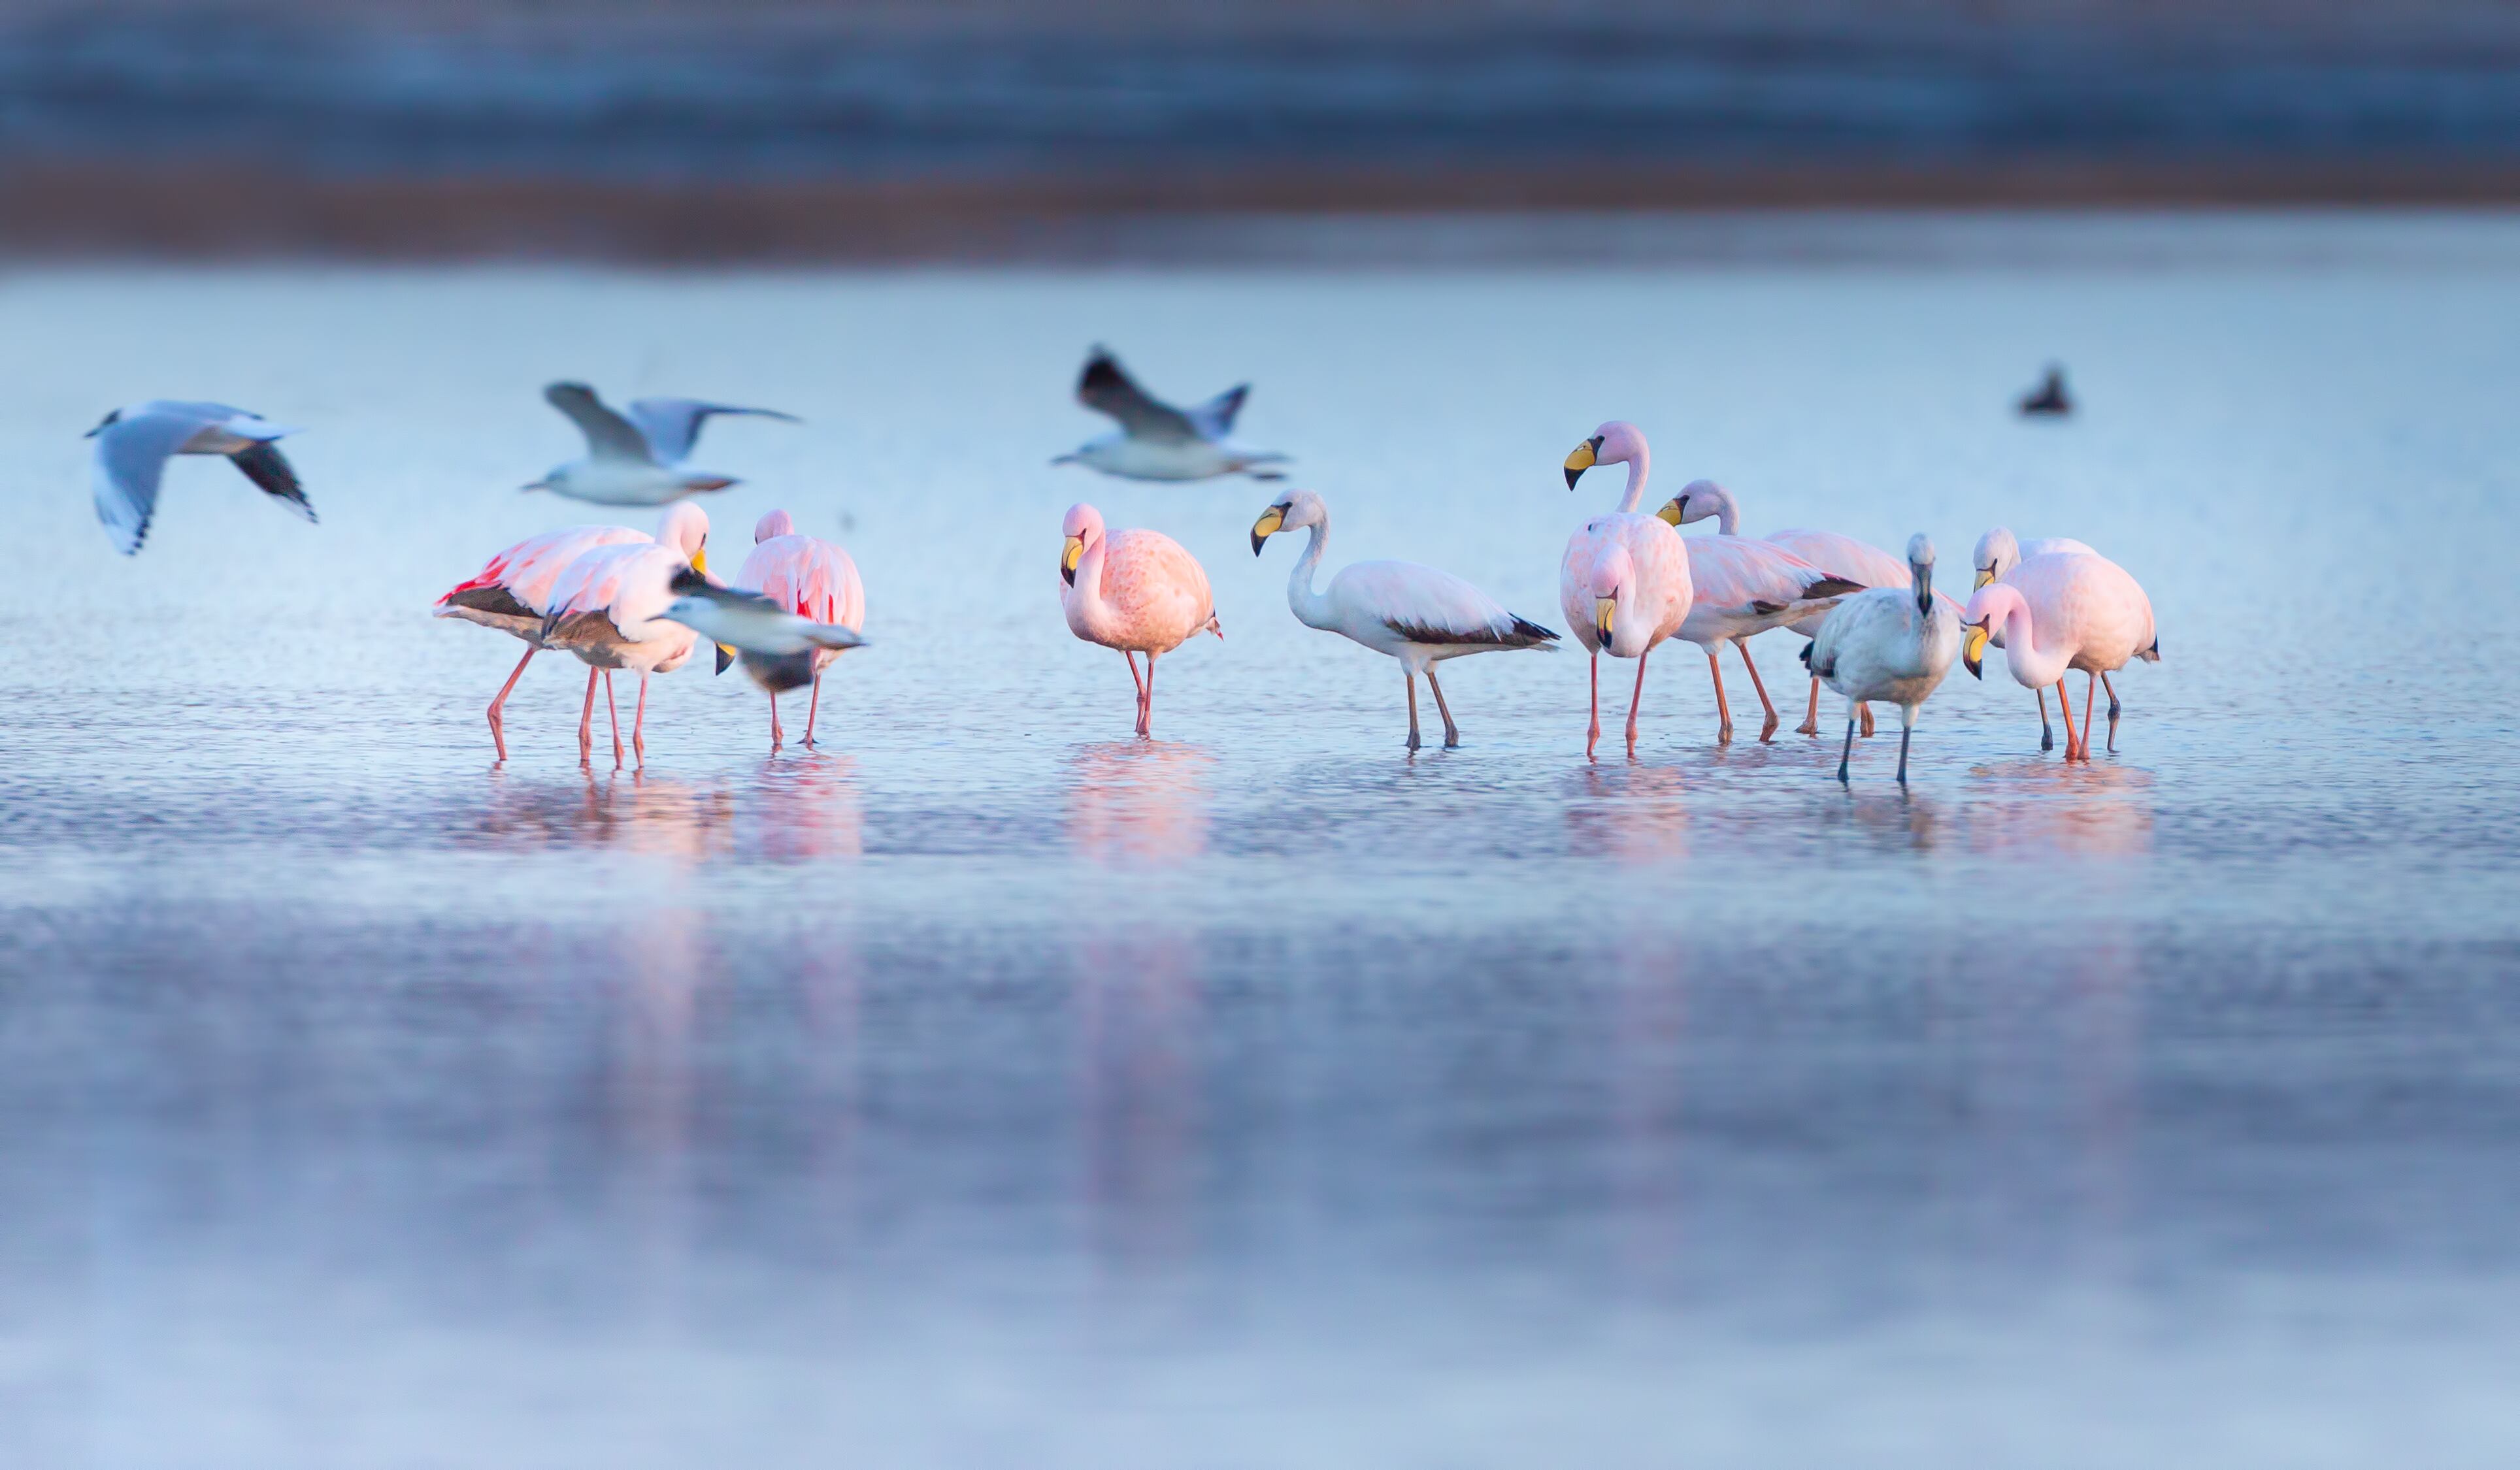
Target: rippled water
{"points": [[988, 1088]]}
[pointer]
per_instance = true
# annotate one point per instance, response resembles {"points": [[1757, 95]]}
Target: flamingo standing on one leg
{"points": [[811, 578], [1624, 582], [1742, 588], [513, 591], [1136, 590], [2060, 611], [607, 607]]}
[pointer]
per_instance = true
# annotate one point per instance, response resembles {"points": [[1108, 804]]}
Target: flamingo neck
{"points": [[1089, 584], [1311, 608], [2034, 668], [1640, 461]]}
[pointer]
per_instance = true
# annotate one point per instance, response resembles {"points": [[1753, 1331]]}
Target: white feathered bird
{"points": [[1415, 614], [621, 467], [672, 425], [1158, 441], [133, 445], [1891, 644]]}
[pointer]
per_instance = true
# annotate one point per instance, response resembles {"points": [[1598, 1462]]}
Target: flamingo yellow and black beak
{"points": [[1973, 650], [1585, 456], [1985, 576], [1068, 558], [1672, 510], [1270, 522], [1603, 611], [725, 657]]}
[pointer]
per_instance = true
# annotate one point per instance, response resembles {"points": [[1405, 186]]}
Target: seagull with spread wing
{"points": [[1158, 441], [672, 425], [133, 445], [622, 465]]}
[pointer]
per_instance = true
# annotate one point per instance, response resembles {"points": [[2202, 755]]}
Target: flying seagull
{"points": [[1158, 441], [621, 468], [132, 446], [672, 425], [777, 646]]}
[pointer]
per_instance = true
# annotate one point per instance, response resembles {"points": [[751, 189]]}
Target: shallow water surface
{"points": [[987, 1087]]}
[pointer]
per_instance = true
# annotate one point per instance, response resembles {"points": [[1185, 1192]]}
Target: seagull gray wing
{"points": [[262, 465], [1106, 389], [126, 465], [1214, 418], [608, 435], [672, 425]]}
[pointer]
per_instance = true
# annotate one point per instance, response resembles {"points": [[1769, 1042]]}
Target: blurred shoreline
{"points": [[136, 212]]}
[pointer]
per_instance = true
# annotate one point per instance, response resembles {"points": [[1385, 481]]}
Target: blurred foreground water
{"points": [[990, 1088]]}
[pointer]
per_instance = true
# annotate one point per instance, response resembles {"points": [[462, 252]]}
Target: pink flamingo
{"points": [[2060, 611], [811, 578], [1742, 589], [1136, 590], [513, 591], [605, 610], [1624, 584]]}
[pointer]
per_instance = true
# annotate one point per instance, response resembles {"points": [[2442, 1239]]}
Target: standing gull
{"points": [[672, 425], [1624, 582], [620, 467], [1742, 588], [1158, 441], [1135, 590], [1888, 643], [813, 579], [781, 650], [133, 445], [513, 591], [1416, 614]]}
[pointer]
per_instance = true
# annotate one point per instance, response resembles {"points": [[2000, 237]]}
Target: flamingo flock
{"points": [[618, 599]]}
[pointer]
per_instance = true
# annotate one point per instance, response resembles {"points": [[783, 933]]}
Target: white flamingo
{"points": [[1998, 553], [2060, 611], [815, 580], [512, 592], [608, 608], [1136, 590], [1415, 613], [1742, 588], [1888, 643], [1624, 582]]}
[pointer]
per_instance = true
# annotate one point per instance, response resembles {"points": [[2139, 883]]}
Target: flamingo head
{"points": [[776, 524], [1921, 571], [1997, 554], [1293, 510], [1083, 530], [685, 527], [1612, 580], [1987, 607], [1616, 442], [1698, 500]]}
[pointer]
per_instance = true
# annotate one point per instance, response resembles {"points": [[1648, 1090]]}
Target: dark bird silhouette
{"points": [[2050, 399]]}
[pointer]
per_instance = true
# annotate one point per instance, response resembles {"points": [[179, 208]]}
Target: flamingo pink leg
{"points": [[1412, 681], [813, 703], [586, 724], [613, 712], [1636, 698], [2067, 706], [2047, 735], [778, 736], [1810, 719], [1592, 734], [1866, 710], [498, 725], [639, 721], [1451, 732], [1723, 710], [2089, 704], [1147, 710], [1767, 730], [1139, 684]]}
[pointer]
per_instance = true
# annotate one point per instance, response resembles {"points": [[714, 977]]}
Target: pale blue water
{"points": [[988, 1088]]}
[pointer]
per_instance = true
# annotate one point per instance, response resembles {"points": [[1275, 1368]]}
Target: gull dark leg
{"points": [[498, 725], [2113, 712], [1906, 729], [1768, 727], [2046, 737], [1848, 749], [1451, 732]]}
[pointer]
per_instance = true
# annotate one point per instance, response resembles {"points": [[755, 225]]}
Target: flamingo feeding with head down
{"points": [[1742, 589], [608, 608], [1888, 643], [1136, 590], [513, 591], [2060, 611], [1624, 583], [1416, 614], [816, 581], [1998, 553]]}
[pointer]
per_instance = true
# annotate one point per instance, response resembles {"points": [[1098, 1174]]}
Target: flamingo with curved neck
{"points": [[1624, 583], [1136, 591], [2060, 612]]}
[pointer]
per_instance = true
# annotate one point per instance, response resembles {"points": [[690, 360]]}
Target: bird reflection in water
{"points": [[667, 963], [629, 811], [1632, 814], [2030, 804], [804, 808], [1137, 802], [1139, 1020]]}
